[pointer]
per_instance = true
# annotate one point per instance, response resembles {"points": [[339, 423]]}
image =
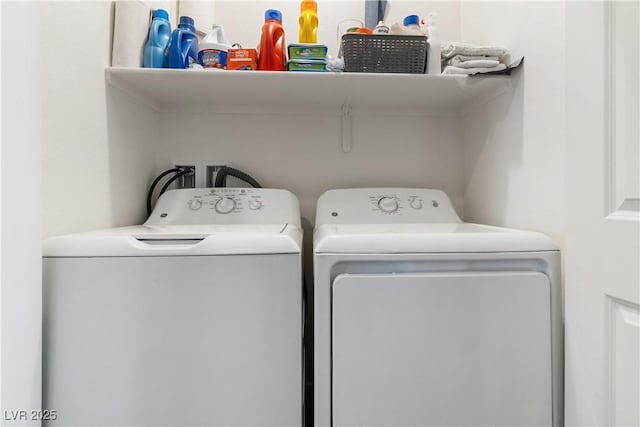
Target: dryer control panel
{"points": [[385, 206], [225, 206]]}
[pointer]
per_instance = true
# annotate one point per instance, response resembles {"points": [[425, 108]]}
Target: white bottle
{"points": [[434, 65], [381, 28], [412, 24], [212, 50]]}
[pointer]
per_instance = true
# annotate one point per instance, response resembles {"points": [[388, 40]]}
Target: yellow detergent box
{"points": [[242, 59]]}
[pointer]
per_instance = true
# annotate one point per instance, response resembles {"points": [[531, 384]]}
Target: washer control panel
{"points": [[225, 206], [225, 201], [385, 205]]}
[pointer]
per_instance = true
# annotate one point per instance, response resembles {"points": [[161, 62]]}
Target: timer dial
{"points": [[388, 204], [225, 205]]}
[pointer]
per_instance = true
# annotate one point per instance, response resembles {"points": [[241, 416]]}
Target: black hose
{"points": [[183, 172], [155, 182], [221, 177]]}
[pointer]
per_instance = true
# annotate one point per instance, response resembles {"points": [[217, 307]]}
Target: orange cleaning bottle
{"points": [[308, 22], [272, 56]]}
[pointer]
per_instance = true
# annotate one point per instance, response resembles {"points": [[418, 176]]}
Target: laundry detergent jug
{"points": [[183, 47], [308, 22], [272, 54], [159, 36], [213, 49]]}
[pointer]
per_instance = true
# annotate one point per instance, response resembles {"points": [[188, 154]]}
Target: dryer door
{"points": [[451, 348]]}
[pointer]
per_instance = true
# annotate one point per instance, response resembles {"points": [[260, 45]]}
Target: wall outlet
{"points": [[190, 181], [210, 172], [205, 174], [186, 181]]}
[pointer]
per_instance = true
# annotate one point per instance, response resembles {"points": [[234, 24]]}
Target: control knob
{"points": [[254, 204], [388, 204], [416, 203], [195, 204], [225, 205]]}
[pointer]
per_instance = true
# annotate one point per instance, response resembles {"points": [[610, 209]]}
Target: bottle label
{"points": [[307, 52], [213, 58], [242, 59]]}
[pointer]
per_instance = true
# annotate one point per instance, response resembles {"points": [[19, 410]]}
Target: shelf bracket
{"points": [[346, 127]]}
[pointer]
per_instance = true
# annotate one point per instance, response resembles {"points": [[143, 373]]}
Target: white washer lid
{"points": [[178, 240], [426, 238]]}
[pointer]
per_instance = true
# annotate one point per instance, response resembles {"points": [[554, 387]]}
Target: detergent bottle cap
{"points": [[187, 20], [161, 13], [411, 20], [308, 5], [272, 14]]}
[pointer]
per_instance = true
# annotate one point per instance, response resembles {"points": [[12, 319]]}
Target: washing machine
{"points": [[193, 318], [424, 320]]}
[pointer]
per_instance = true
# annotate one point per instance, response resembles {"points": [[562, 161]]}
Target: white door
{"points": [[602, 247], [446, 348]]}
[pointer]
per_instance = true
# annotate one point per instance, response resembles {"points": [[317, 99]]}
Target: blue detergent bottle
{"points": [[183, 47], [159, 36]]}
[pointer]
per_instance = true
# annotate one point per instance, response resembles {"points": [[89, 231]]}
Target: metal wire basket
{"points": [[383, 53]]}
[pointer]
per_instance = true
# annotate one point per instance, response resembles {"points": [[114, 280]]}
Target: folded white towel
{"points": [[451, 69], [478, 63], [457, 48]]}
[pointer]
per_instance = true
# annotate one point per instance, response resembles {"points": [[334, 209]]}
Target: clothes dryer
{"points": [[424, 320], [193, 318]]}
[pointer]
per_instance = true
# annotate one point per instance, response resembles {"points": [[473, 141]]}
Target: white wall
{"points": [[302, 152], [98, 147], [20, 226], [514, 145]]}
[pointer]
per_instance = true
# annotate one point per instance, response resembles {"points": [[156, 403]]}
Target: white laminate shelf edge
{"points": [[230, 91]]}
